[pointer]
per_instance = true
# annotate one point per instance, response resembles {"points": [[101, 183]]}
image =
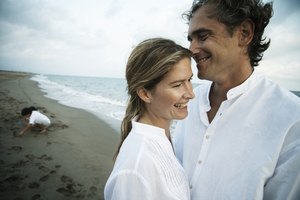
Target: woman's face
{"points": [[169, 98]]}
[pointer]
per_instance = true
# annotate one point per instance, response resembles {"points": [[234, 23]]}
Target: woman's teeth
{"points": [[181, 105]]}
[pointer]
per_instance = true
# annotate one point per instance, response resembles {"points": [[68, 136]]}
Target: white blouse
{"points": [[146, 168]]}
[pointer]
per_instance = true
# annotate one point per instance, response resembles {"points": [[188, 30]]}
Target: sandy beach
{"points": [[71, 161]]}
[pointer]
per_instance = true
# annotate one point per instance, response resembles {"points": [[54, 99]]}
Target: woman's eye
{"points": [[177, 85]]}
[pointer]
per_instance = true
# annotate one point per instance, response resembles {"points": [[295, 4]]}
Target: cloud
{"points": [[281, 61], [283, 9], [95, 37], [90, 35]]}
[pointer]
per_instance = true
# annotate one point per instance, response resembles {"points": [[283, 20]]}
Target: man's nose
{"points": [[194, 47]]}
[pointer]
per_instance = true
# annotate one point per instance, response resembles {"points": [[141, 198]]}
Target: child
{"points": [[34, 118]]}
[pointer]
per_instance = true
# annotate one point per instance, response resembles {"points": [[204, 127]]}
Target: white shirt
{"points": [[251, 149], [146, 168], [38, 118]]}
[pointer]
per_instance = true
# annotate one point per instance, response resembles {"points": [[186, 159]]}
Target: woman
{"points": [[158, 75]]}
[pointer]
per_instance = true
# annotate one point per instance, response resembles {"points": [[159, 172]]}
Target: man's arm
{"points": [[285, 183]]}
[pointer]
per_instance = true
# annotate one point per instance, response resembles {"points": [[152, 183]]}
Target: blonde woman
{"points": [[158, 75]]}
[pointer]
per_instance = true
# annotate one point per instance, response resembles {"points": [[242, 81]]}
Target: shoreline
{"points": [[73, 160]]}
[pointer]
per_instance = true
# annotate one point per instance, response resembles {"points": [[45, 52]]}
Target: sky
{"points": [[95, 37]]}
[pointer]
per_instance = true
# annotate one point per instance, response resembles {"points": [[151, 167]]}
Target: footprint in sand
{"points": [[64, 126], [13, 183], [15, 131], [45, 157], [14, 178], [70, 187], [66, 179], [30, 156], [16, 148], [44, 169], [64, 191], [92, 192], [20, 163], [57, 166], [44, 178], [33, 185], [81, 195], [36, 196]]}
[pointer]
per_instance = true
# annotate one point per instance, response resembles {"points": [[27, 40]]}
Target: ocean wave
{"points": [[86, 94]]}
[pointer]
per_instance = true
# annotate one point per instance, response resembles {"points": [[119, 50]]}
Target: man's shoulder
{"points": [[273, 89]]}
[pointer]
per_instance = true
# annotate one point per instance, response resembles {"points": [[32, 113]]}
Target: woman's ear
{"points": [[144, 95], [246, 32]]}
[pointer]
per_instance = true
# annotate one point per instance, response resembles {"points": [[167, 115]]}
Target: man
{"points": [[241, 139]]}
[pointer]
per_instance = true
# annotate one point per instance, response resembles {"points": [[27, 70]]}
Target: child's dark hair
{"points": [[32, 108], [26, 111]]}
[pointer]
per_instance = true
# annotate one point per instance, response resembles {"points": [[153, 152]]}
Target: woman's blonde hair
{"points": [[147, 65]]}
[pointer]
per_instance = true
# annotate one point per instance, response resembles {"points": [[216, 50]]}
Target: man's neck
{"points": [[218, 91]]}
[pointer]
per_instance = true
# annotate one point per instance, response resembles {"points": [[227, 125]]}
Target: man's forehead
{"points": [[200, 18]]}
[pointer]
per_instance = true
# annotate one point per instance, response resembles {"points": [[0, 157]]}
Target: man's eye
{"points": [[202, 36]]}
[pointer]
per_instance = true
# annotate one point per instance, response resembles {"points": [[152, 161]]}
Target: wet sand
{"points": [[71, 161]]}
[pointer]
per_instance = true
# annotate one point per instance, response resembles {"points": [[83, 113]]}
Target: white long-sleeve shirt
{"points": [[251, 149], [38, 118], [146, 168]]}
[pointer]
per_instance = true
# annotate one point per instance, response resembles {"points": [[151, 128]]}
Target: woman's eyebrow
{"points": [[180, 80]]}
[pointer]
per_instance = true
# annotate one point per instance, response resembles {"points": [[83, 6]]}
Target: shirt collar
{"points": [[242, 88], [144, 129]]}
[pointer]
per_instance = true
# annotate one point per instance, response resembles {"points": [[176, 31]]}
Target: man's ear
{"points": [[144, 95], [246, 32]]}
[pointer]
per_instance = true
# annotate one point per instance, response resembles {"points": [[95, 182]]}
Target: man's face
{"points": [[214, 49]]}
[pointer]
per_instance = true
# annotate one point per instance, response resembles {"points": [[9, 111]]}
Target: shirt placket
{"points": [[206, 144]]}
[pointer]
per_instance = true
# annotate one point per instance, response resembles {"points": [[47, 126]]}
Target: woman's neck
{"points": [[146, 119]]}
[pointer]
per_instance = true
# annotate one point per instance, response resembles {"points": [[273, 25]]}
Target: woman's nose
{"points": [[189, 94]]}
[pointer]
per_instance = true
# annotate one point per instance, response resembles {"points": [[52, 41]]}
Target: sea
{"points": [[104, 97]]}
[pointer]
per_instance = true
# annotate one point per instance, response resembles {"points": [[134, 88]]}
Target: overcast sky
{"points": [[95, 37]]}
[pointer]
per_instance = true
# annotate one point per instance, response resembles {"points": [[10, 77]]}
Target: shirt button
{"points": [[207, 136], [191, 187], [199, 162]]}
